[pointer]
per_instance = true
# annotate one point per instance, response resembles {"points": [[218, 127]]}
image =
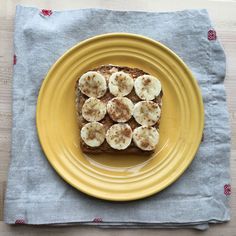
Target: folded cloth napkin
{"points": [[37, 195]]}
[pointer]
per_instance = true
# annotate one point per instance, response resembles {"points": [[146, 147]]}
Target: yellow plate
{"points": [[120, 177]]}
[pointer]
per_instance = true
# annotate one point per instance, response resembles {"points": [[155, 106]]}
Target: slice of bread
{"points": [[106, 71]]}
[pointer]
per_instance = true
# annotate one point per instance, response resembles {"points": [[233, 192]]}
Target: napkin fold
{"points": [[37, 195]]}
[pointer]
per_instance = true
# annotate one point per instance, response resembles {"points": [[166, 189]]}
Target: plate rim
{"points": [[152, 41]]}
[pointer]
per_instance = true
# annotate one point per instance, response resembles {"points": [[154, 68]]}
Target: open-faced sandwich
{"points": [[118, 110]]}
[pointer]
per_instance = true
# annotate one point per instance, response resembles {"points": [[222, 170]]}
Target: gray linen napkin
{"points": [[37, 195]]}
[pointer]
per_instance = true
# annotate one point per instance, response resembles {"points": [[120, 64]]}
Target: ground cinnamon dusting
{"points": [[121, 110], [121, 82], [91, 135], [126, 132], [91, 112], [146, 81], [144, 143]]}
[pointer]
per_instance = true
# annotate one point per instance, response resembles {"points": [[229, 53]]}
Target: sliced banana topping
{"points": [[146, 138], [147, 87], [146, 112], [93, 134], [120, 84], [120, 109], [119, 136], [93, 84], [93, 110]]}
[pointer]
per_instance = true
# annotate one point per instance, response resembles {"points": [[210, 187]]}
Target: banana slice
{"points": [[146, 113], [120, 109], [147, 87], [93, 134], [146, 138], [119, 136], [93, 110], [93, 84], [120, 84]]}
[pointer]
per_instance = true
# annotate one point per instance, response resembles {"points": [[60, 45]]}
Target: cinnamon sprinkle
{"points": [[144, 143], [91, 135], [146, 81], [126, 132], [120, 110]]}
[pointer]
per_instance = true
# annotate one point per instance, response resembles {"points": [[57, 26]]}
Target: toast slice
{"points": [[106, 71]]}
